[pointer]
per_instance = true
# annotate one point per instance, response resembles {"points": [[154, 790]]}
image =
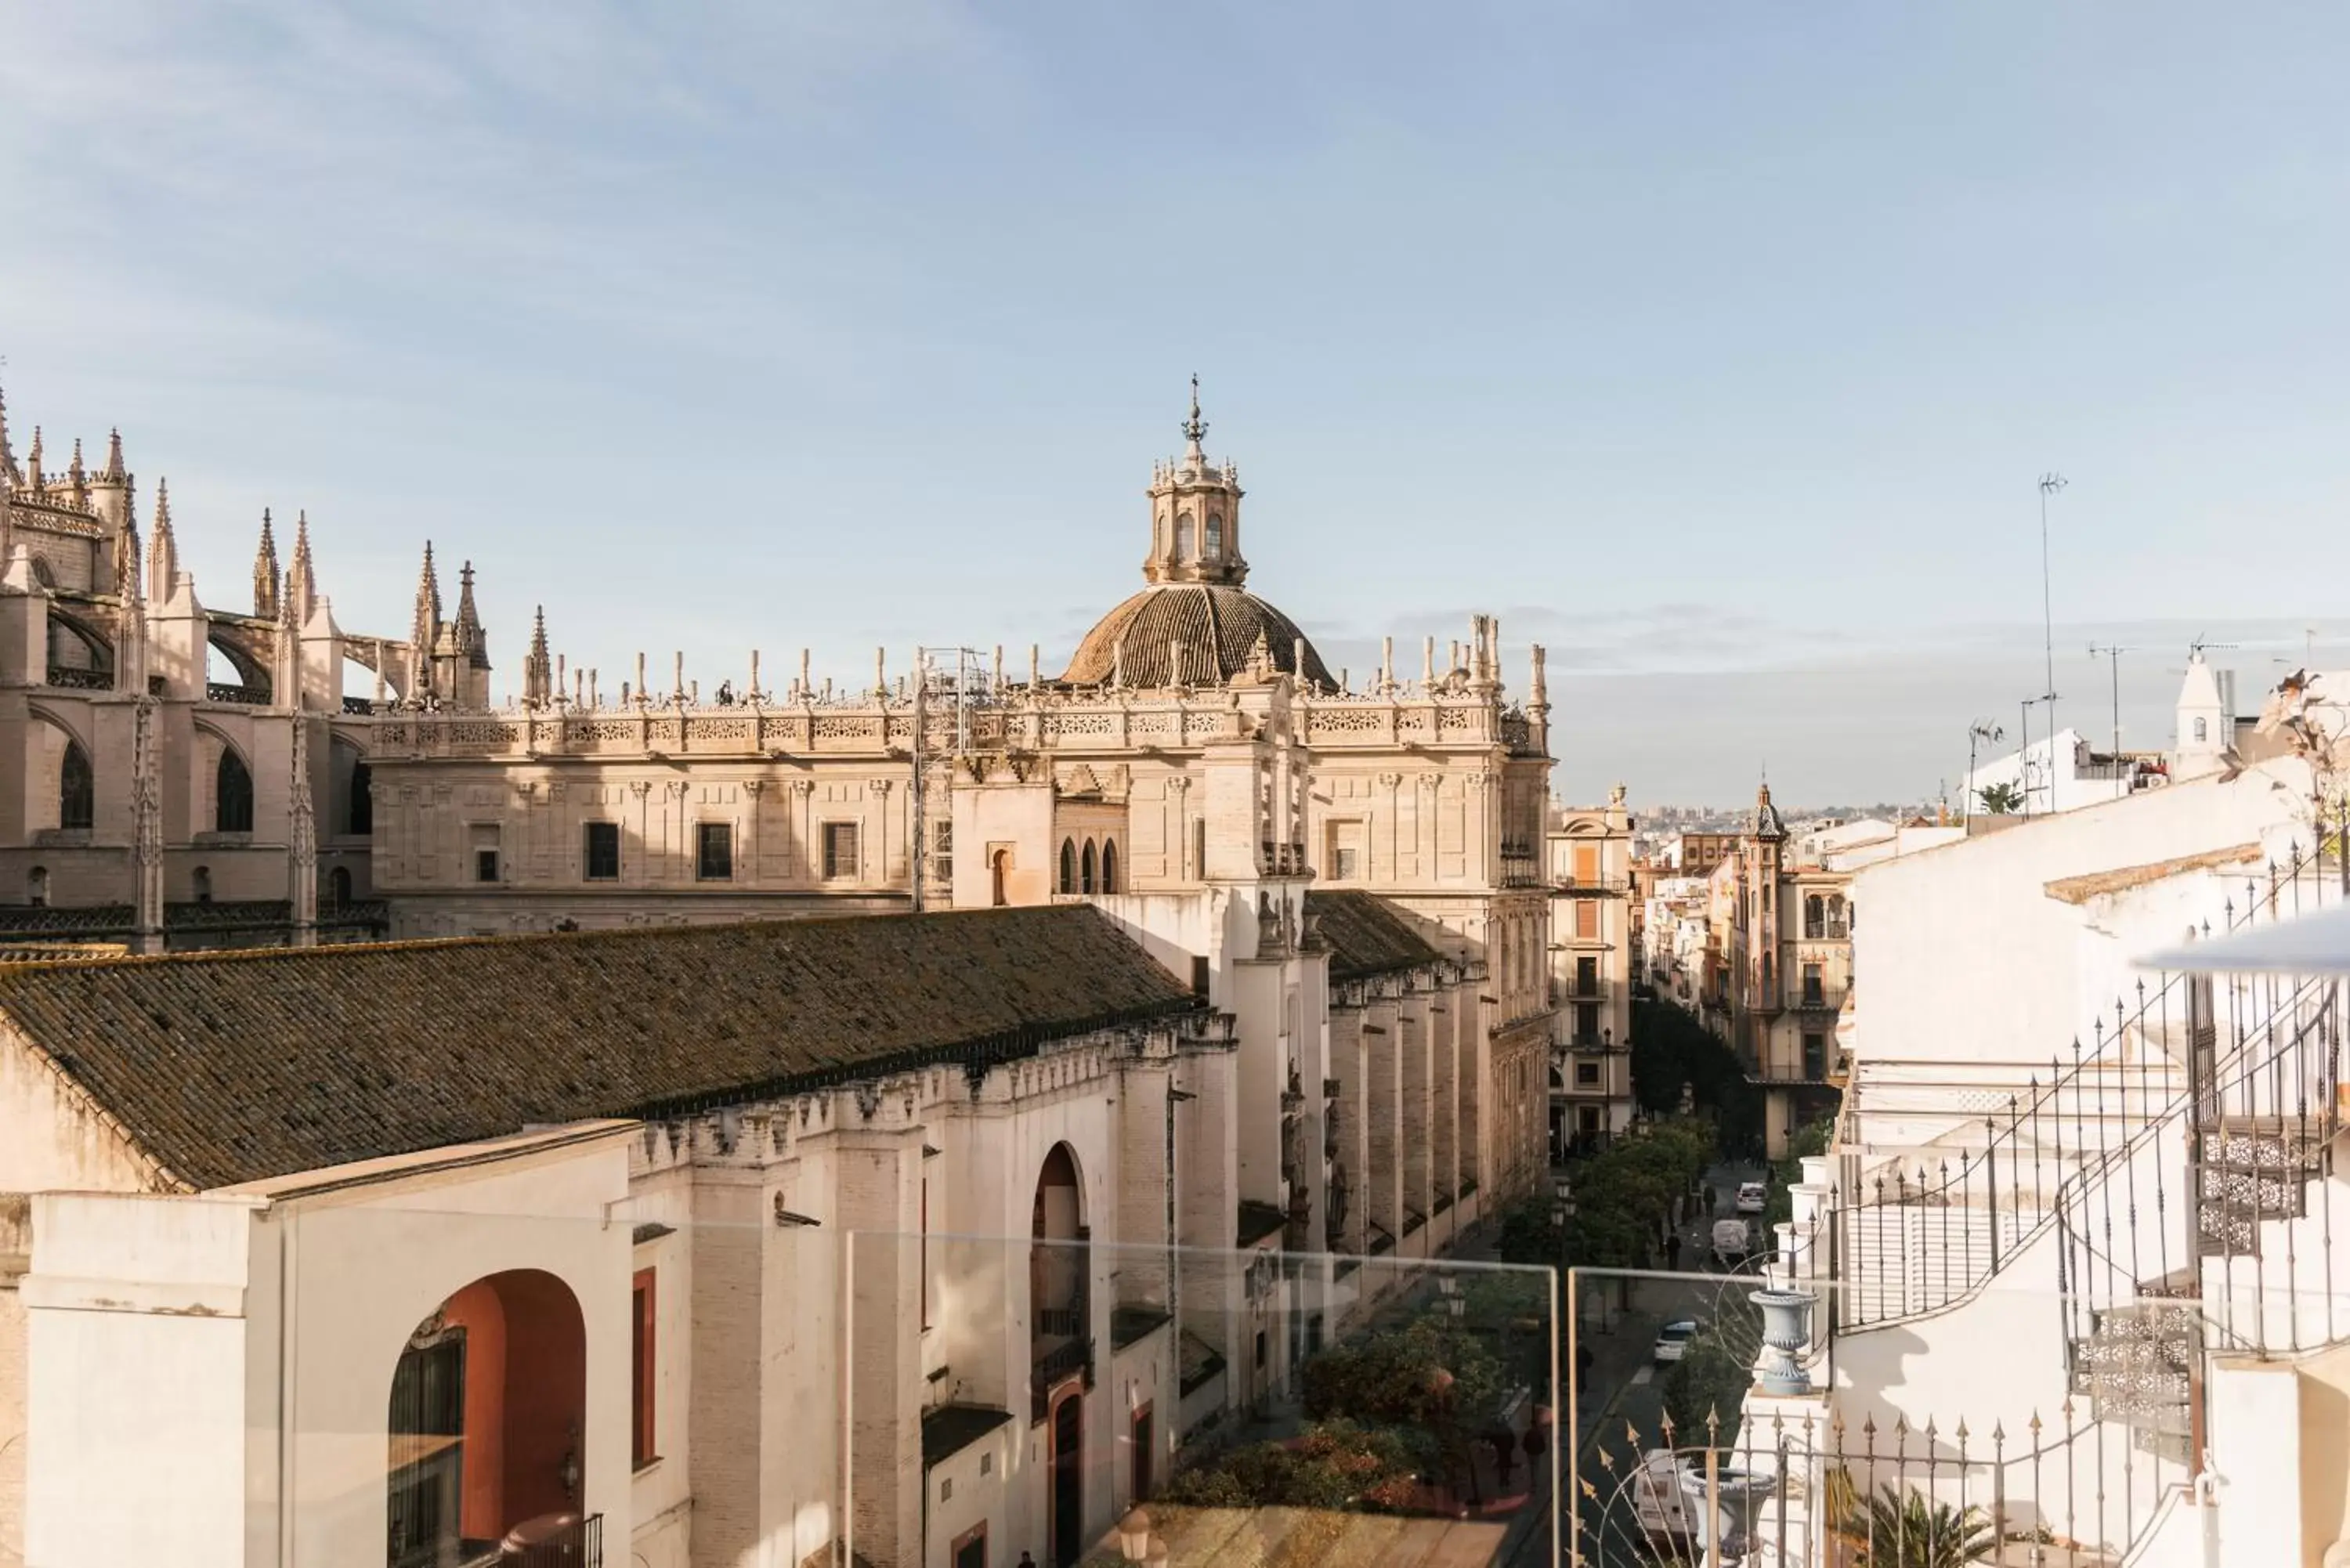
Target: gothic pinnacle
{"points": [[265, 571], [37, 481], [162, 550], [8, 468], [302, 571], [76, 477], [114, 468]]}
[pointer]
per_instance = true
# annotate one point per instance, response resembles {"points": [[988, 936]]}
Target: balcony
{"points": [[565, 1541], [1061, 1343], [1592, 887], [1051, 1367]]}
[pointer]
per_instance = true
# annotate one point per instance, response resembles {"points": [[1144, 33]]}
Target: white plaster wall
{"points": [[362, 1272], [138, 1342], [1962, 954], [50, 1137]]}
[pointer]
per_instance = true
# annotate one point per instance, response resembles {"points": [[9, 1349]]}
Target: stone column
{"points": [[1413, 1092], [1444, 1105], [878, 1171], [1144, 1104], [1382, 1184], [1350, 1065]]}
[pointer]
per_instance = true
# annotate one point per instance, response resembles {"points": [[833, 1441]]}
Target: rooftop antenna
{"points": [[2114, 653], [2051, 483], [1982, 732]]}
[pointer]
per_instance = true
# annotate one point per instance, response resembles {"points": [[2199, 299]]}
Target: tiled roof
{"points": [[231, 1067], [1367, 936]]}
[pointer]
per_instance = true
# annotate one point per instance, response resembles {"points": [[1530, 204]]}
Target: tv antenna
{"points": [[2114, 653]]}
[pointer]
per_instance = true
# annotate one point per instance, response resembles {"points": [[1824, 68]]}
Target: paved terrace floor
{"points": [[1316, 1538]]}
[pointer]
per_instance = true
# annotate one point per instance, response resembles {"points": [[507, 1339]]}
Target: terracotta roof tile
{"points": [[231, 1067]]}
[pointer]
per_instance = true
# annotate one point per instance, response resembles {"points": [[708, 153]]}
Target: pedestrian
{"points": [[1673, 1252], [1026, 1561], [1708, 1200]]}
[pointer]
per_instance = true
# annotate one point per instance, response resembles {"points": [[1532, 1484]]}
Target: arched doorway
{"points": [[1061, 1331], [999, 868], [487, 1424]]}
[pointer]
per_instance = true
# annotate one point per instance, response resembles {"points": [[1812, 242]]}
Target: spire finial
{"points": [[37, 481], [266, 576], [162, 550], [114, 468], [1195, 428]]}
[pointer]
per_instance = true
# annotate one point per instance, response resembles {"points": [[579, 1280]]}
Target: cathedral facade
{"points": [[1197, 999]]}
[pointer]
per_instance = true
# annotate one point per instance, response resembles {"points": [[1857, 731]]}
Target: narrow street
{"points": [[1625, 1386]]}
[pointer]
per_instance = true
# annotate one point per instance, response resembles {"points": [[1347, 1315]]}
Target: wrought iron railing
{"points": [[2040, 1487], [578, 1543], [1051, 1369], [251, 696], [79, 679], [1912, 1237]]}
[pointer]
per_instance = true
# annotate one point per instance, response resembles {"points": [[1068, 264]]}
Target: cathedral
{"points": [[906, 1123]]}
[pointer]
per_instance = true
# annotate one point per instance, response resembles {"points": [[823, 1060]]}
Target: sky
{"points": [[1720, 348]]}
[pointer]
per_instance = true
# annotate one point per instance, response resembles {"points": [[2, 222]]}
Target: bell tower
{"points": [[1195, 515]]}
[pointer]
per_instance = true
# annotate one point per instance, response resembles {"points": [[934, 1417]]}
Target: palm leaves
{"points": [[1907, 1529]]}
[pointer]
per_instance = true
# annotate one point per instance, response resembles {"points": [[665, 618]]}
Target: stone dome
{"points": [[1217, 625]]}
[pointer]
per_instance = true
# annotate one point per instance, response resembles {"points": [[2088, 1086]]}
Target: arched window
{"points": [[76, 789], [338, 889], [999, 866], [36, 887], [203, 880], [361, 821], [232, 794], [1815, 915], [1770, 996], [1183, 537], [1086, 869], [1215, 538], [1068, 866], [1109, 865], [2202, 729]]}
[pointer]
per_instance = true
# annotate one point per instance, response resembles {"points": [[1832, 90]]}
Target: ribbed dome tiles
{"points": [[1218, 626]]}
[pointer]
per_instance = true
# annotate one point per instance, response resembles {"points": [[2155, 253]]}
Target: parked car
{"points": [[1730, 1242], [1753, 1195], [1672, 1340]]}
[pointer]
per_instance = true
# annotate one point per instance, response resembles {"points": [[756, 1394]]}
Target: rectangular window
{"points": [[1814, 996], [641, 1451], [1586, 977], [1815, 1056], [1587, 1022], [1345, 851], [1198, 848], [485, 864], [1586, 865], [482, 837], [1587, 918], [839, 850], [601, 851], [1586, 1075], [714, 851]]}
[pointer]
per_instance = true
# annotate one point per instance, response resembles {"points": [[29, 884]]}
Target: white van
{"points": [[1730, 1241]]}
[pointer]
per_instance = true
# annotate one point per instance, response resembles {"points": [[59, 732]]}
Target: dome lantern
{"points": [[1195, 515]]}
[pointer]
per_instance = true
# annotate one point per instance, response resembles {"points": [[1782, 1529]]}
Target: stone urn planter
{"points": [[1786, 1333]]}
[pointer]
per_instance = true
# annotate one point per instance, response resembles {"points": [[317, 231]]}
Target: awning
{"points": [[2309, 944]]}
